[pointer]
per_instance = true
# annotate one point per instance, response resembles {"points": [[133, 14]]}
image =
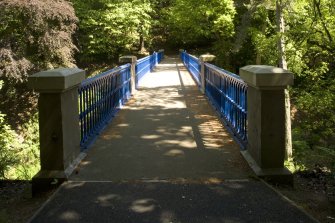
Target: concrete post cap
{"points": [[56, 80], [207, 57], [128, 59], [266, 76]]}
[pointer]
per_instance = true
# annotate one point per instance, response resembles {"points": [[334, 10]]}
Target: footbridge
{"points": [[167, 138]]}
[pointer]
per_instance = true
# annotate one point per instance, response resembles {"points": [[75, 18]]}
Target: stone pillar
{"points": [[58, 123], [132, 60], [202, 59], [266, 121]]}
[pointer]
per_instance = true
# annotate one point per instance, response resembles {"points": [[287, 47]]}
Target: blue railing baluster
{"points": [[97, 99], [226, 91], [145, 65], [193, 66], [100, 97]]}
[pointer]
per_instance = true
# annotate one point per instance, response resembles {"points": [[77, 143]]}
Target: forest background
{"points": [[36, 35]]}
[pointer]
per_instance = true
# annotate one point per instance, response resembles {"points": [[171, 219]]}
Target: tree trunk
{"points": [[282, 63], [141, 43], [142, 48], [281, 30]]}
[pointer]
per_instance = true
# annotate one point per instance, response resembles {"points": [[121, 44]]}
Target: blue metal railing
{"points": [[99, 99], [101, 96], [193, 66], [146, 64], [228, 94]]}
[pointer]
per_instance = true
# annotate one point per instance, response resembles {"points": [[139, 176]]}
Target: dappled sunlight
{"points": [[162, 133], [112, 135], [73, 185], [169, 65], [213, 134], [213, 180], [70, 216], [158, 98], [174, 153], [123, 125], [151, 136], [107, 200], [143, 206], [189, 144], [167, 216], [85, 162], [160, 78]]}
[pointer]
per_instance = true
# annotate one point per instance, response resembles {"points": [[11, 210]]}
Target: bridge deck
{"points": [[167, 131], [166, 158]]}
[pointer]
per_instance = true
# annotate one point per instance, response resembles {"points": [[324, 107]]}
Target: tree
{"points": [[35, 35], [283, 64], [200, 21], [108, 28]]}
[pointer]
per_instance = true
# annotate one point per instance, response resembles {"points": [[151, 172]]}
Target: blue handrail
{"points": [[193, 66], [101, 96], [99, 99], [228, 94], [145, 65]]}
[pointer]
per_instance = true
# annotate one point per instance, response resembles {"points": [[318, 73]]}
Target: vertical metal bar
{"points": [[99, 97]]}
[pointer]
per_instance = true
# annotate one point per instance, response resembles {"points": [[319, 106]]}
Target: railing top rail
{"points": [[224, 72], [143, 59], [194, 57], [147, 57], [103, 74]]}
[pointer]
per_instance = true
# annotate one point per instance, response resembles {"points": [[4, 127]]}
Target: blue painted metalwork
{"points": [[226, 91], [99, 99], [145, 65], [101, 96], [193, 66]]}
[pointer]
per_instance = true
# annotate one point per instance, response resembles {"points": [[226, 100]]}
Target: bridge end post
{"points": [[181, 51], [132, 60], [161, 51], [266, 121], [203, 59], [58, 124]]}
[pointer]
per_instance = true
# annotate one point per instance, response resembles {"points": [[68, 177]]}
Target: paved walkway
{"points": [[166, 158]]}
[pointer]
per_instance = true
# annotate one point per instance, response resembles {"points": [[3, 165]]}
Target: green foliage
{"points": [[35, 35], [29, 153], [8, 148], [316, 116], [200, 21], [310, 53], [19, 154], [108, 28]]}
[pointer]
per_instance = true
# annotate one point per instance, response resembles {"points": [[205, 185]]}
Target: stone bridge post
{"points": [[132, 60], [58, 123], [266, 121], [203, 59]]}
